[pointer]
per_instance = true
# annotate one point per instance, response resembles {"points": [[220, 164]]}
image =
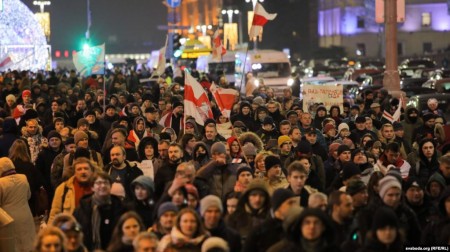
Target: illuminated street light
{"points": [[41, 4]]}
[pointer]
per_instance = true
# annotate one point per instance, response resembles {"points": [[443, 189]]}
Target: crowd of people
{"points": [[106, 163]]}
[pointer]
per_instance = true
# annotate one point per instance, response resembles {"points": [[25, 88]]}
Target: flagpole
{"points": [[104, 83], [243, 71]]}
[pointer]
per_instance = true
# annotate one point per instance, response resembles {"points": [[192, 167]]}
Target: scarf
{"points": [[96, 219], [179, 239]]}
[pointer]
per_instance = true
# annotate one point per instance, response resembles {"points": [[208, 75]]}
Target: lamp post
{"points": [[42, 4], [229, 13], [89, 20]]}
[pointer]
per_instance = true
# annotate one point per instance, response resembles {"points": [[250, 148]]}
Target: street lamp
{"points": [[41, 4], [230, 13], [254, 2]]}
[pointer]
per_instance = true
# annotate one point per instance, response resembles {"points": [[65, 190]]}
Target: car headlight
{"points": [[290, 82]]}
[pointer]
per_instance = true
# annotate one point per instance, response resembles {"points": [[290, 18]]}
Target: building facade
{"points": [[351, 24]]}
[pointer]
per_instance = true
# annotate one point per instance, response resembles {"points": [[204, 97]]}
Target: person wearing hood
{"points": [[109, 117], [10, 134], [273, 108], [245, 116], [138, 132], [148, 153], [419, 202], [427, 163], [235, 150], [311, 230], [410, 123], [142, 202], [151, 121], [434, 187], [438, 231], [253, 208], [200, 155], [321, 114]]}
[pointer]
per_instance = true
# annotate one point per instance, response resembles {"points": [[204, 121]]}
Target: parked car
{"points": [[420, 102], [440, 86]]}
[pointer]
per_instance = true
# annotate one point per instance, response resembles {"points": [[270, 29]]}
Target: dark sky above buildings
{"points": [[124, 25]]}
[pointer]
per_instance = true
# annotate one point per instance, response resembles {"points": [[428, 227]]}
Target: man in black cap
{"points": [[332, 172], [270, 231], [151, 116], [419, 202], [358, 191], [268, 130], [311, 136], [174, 119], [360, 130]]}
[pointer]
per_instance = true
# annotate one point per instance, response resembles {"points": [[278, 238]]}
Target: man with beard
{"points": [[341, 211], [119, 138], [68, 194], [151, 115], [296, 136], [122, 173], [174, 119], [168, 169]]}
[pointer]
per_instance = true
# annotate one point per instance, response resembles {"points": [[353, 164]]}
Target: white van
{"points": [[224, 65], [272, 66]]}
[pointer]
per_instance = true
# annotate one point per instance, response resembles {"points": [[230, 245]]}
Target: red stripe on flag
{"points": [[259, 20]]}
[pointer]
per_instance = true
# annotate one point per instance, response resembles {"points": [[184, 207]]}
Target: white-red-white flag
{"points": [[6, 61], [260, 18], [225, 98], [161, 68], [196, 102], [396, 116], [218, 48]]}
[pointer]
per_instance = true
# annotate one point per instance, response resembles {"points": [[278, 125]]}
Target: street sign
{"points": [[174, 3]]}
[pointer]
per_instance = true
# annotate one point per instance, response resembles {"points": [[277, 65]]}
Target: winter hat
{"points": [[412, 182], [268, 120], [347, 141], [280, 196], [291, 112], [6, 164], [349, 169], [384, 216], [397, 126], [215, 243], [240, 124], [69, 140], [167, 207], [428, 116], [243, 169], [192, 190], [53, 134], [342, 148], [375, 105], [328, 127], [26, 93], [210, 201], [387, 183], [283, 139], [394, 172], [79, 135], [249, 149], [10, 97], [360, 119], [144, 181], [303, 147], [310, 130], [81, 122], [82, 152], [355, 186], [218, 147], [258, 101], [88, 112], [333, 147], [436, 177], [177, 103], [342, 126], [270, 161]]}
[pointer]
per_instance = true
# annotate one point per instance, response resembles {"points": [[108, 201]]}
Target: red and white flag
{"points": [[260, 18], [396, 116], [218, 48], [225, 98], [6, 61], [196, 102], [161, 68]]}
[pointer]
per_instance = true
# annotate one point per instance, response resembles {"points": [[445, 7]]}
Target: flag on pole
{"points": [[260, 18], [90, 60], [196, 102], [218, 48], [161, 68], [6, 61], [396, 116], [225, 98]]}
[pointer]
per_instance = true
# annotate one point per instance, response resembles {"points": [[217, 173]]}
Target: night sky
{"points": [[126, 26]]}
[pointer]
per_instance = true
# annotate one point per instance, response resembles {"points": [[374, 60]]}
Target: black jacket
{"points": [[264, 236], [10, 134], [110, 214], [132, 172], [230, 235]]}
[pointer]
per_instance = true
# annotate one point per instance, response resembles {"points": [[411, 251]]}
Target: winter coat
{"points": [[132, 172], [177, 241], [35, 143], [35, 180], [14, 194], [228, 234], [109, 215], [10, 134], [264, 236], [44, 163]]}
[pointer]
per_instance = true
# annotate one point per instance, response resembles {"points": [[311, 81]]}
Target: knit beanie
{"points": [[280, 196], [349, 169], [79, 135], [192, 190], [384, 216], [342, 148], [303, 147], [26, 93], [333, 147], [210, 201], [243, 169], [166, 207], [283, 139], [215, 243], [249, 149], [144, 181], [218, 147], [328, 127], [69, 140], [342, 126], [53, 134], [271, 161], [387, 183]]}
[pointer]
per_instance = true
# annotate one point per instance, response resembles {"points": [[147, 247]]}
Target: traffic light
{"points": [[176, 45]]}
